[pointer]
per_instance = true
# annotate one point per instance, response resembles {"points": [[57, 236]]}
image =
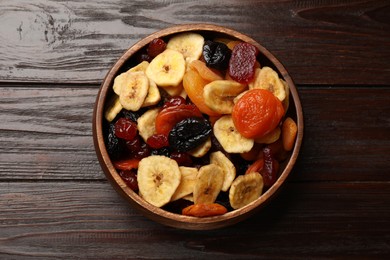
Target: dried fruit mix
{"points": [[198, 127]]}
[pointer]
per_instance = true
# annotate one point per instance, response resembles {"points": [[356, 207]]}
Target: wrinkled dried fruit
{"points": [[216, 55], [157, 141], [189, 133], [155, 47], [125, 129], [113, 144], [242, 64], [204, 210], [130, 178]]}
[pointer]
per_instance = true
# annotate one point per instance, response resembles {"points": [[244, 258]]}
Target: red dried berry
{"points": [[269, 172], [130, 178], [183, 159], [158, 141], [174, 101], [156, 47], [242, 62], [125, 129]]}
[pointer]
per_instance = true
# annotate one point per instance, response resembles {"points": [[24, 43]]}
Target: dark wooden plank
{"points": [[319, 42], [69, 220], [46, 133]]}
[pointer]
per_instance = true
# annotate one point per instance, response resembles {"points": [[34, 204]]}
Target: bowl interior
{"points": [[126, 61]]}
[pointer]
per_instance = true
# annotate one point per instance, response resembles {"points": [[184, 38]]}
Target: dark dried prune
{"points": [[216, 55], [189, 133], [114, 144], [133, 116]]}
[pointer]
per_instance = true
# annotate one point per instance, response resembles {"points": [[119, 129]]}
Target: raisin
{"points": [[155, 47], [216, 55], [144, 57], [189, 133], [133, 116], [130, 178], [242, 62], [162, 151], [125, 129], [157, 141], [113, 143]]}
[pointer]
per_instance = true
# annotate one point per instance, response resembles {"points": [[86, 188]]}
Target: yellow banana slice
{"points": [[140, 67], [227, 166], [269, 138], [286, 101], [208, 184], [187, 183], [158, 178], [147, 123], [219, 94], [113, 108], [268, 79], [228, 136], [245, 189], [189, 44], [201, 150], [167, 69], [153, 96], [134, 90]]}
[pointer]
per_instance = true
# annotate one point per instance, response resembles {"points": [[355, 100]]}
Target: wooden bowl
{"points": [[158, 214]]}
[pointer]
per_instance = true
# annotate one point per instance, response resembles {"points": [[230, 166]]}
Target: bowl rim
{"points": [[158, 214]]}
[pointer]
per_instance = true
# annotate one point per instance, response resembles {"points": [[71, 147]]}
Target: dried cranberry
{"points": [[125, 129], [155, 47], [242, 62], [130, 178], [174, 101], [270, 168], [189, 133], [134, 145], [157, 141], [183, 159], [216, 55], [143, 152]]}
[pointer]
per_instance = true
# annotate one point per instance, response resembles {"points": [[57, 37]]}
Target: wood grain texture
{"points": [[46, 134], [319, 42], [68, 220]]}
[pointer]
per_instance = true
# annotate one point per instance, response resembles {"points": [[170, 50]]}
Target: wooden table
{"points": [[55, 200]]}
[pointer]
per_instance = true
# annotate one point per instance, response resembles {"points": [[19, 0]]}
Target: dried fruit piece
{"points": [[167, 69], [245, 189], [289, 133], [126, 164], [125, 129], [227, 166], [201, 149], [216, 55], [204, 210], [187, 183], [130, 178], [155, 47], [194, 84], [112, 108], [134, 90], [205, 72], [174, 102], [257, 113], [242, 63], [170, 116], [183, 159], [229, 138], [269, 138], [268, 79], [158, 178], [146, 123], [208, 184], [113, 144], [189, 44], [219, 95], [157, 141], [270, 169], [189, 133]]}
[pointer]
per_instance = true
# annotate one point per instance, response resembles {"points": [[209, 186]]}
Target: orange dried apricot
{"points": [[204, 210]]}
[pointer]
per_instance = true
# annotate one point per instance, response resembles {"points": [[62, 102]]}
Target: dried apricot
{"points": [[193, 84], [289, 133], [257, 113], [204, 210]]}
